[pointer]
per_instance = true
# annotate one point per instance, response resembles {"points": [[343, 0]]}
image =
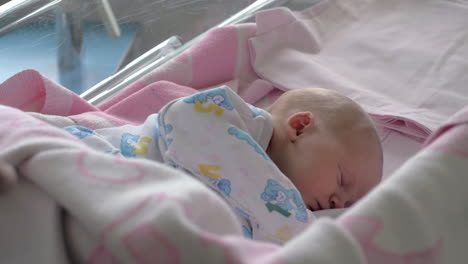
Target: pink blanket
{"points": [[397, 60], [138, 211]]}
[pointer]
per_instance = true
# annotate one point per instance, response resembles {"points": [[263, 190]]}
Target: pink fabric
{"points": [[403, 125], [409, 75], [221, 56], [452, 137], [30, 91], [152, 98]]}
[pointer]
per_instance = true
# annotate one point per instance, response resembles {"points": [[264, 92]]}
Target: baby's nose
{"points": [[336, 202]]}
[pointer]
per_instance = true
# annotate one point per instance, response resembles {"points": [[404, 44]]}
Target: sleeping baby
{"points": [[326, 145], [312, 149]]}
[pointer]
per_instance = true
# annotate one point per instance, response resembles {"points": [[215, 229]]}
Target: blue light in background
{"points": [[34, 46]]}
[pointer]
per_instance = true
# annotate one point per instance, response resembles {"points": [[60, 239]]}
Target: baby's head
{"points": [[326, 145]]}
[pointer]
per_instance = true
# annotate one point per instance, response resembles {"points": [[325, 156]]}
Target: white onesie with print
{"points": [[221, 140]]}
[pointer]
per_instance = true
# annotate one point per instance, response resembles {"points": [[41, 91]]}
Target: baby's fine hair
{"points": [[338, 113], [335, 110]]}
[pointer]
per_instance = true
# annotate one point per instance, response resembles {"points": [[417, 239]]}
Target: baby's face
{"points": [[330, 175]]}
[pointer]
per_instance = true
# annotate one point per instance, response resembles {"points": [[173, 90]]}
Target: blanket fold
{"points": [[138, 211]]}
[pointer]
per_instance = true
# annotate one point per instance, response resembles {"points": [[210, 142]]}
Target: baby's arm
{"points": [[8, 176], [212, 142]]}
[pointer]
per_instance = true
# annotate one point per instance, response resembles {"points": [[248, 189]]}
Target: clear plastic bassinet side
{"points": [[97, 37], [166, 50], [109, 44]]}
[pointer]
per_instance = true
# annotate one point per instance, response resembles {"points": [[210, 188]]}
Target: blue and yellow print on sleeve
{"points": [[168, 129], [283, 201], [211, 171], [242, 135], [157, 132], [162, 131], [214, 100], [79, 131], [255, 111], [132, 145], [247, 230]]}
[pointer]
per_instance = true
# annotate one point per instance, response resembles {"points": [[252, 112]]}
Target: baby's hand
{"points": [[8, 176]]}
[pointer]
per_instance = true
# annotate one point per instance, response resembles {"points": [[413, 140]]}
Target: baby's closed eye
{"points": [[340, 179]]}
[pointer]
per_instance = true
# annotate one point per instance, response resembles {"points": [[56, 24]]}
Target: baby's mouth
{"points": [[315, 206]]}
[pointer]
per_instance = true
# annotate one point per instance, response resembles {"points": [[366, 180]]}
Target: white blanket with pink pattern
{"points": [[138, 211]]}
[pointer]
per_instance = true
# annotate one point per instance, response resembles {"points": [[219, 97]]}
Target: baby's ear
{"points": [[297, 123]]}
